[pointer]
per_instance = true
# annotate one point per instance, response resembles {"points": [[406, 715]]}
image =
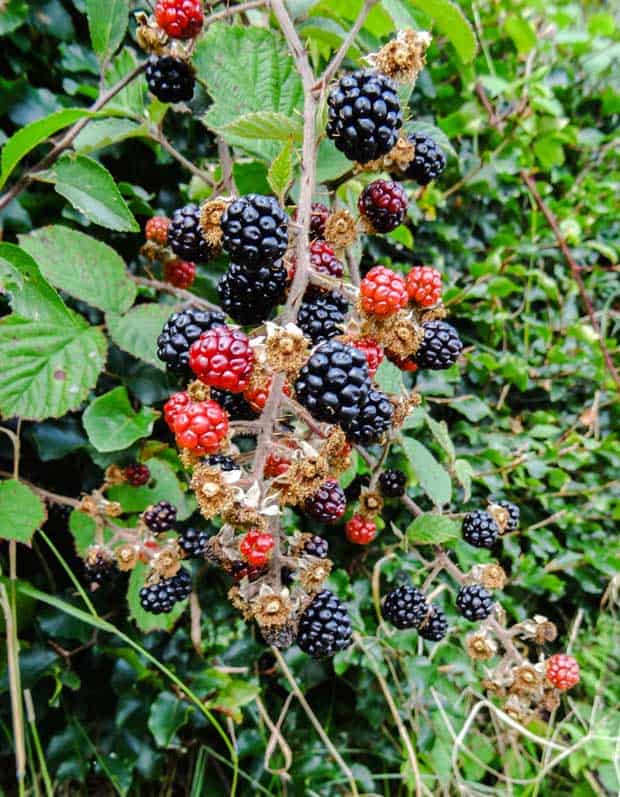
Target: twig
{"points": [[166, 287], [337, 60], [277, 738], [66, 141], [228, 181], [229, 12], [158, 135], [17, 709]]}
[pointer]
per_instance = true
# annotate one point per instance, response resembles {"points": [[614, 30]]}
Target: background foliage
{"points": [[531, 417]]}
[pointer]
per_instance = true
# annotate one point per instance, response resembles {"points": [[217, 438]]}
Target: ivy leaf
{"points": [[281, 171], [164, 486], [136, 332], [21, 511], [91, 189], [107, 23], [48, 366], [433, 477], [112, 424], [82, 267], [431, 529], [145, 620], [166, 716]]}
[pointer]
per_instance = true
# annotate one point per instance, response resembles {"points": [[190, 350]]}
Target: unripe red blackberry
{"points": [[156, 230], [360, 530], [136, 475], [180, 273], [383, 292], [384, 203], [180, 19], [223, 358], [562, 671], [372, 350], [424, 285]]}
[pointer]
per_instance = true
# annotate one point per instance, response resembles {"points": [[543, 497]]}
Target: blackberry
{"points": [[170, 79], [317, 546], [324, 627], [405, 606], [235, 405], [322, 316], [249, 297], [334, 382], [384, 203], [161, 597], [474, 602], [364, 115], [280, 636], [318, 219], [222, 462], [440, 347], [428, 161], [354, 490], [193, 542], [99, 566], [392, 483], [255, 230], [328, 504], [185, 236], [240, 570], [372, 421], [480, 529], [436, 626], [160, 517], [180, 331], [514, 514]]}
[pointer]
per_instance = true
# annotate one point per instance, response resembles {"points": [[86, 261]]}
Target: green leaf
{"points": [[389, 378], [107, 22], [30, 136], [234, 695], [91, 189], [247, 70], [82, 267], [431, 529], [31, 295], [452, 23], [112, 424], [145, 620], [48, 367], [21, 511], [166, 716], [464, 473], [103, 133], [264, 125], [401, 15], [433, 477], [521, 32], [281, 171], [164, 486], [136, 332], [12, 16], [83, 527], [441, 435]]}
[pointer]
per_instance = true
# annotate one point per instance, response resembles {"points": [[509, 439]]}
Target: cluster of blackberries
{"points": [[180, 331], [160, 598], [406, 607], [335, 387], [481, 528]]}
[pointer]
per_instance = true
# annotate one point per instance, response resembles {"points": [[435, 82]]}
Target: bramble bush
{"points": [[308, 396]]}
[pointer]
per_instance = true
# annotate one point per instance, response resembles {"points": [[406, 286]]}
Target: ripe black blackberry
{"points": [[193, 542], [317, 546], [160, 598], [235, 405], [334, 382], [364, 115], [255, 230], [372, 421], [354, 490], [435, 627], [480, 529], [170, 79], [180, 331], [160, 517], [405, 606], [99, 566], [474, 602], [514, 514], [222, 462], [249, 297], [324, 627], [321, 317], [328, 504], [392, 483], [428, 161], [440, 347], [185, 236]]}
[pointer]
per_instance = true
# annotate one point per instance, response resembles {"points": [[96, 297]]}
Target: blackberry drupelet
{"points": [[317, 546], [334, 382], [185, 236], [322, 316], [364, 115], [405, 606], [180, 331], [328, 504], [480, 529], [170, 79], [440, 347], [436, 626], [514, 514], [372, 421], [249, 297], [474, 602], [392, 483], [161, 597], [428, 162], [235, 405], [255, 230], [193, 542], [160, 517], [324, 627], [222, 461]]}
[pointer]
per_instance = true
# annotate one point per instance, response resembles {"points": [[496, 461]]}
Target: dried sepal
{"points": [[396, 160], [404, 57], [303, 477], [211, 213], [127, 556], [272, 608], [114, 474], [370, 504], [167, 561], [313, 572], [500, 515], [341, 229], [198, 391], [213, 493], [491, 576], [286, 350], [480, 646], [399, 333], [150, 37]]}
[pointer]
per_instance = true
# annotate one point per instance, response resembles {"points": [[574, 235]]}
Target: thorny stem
{"points": [[165, 287], [158, 135]]}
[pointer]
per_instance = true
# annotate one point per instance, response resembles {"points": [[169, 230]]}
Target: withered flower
{"points": [[211, 213], [480, 646], [404, 57], [313, 572], [270, 608], [127, 556], [213, 492], [340, 229], [370, 504]]}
